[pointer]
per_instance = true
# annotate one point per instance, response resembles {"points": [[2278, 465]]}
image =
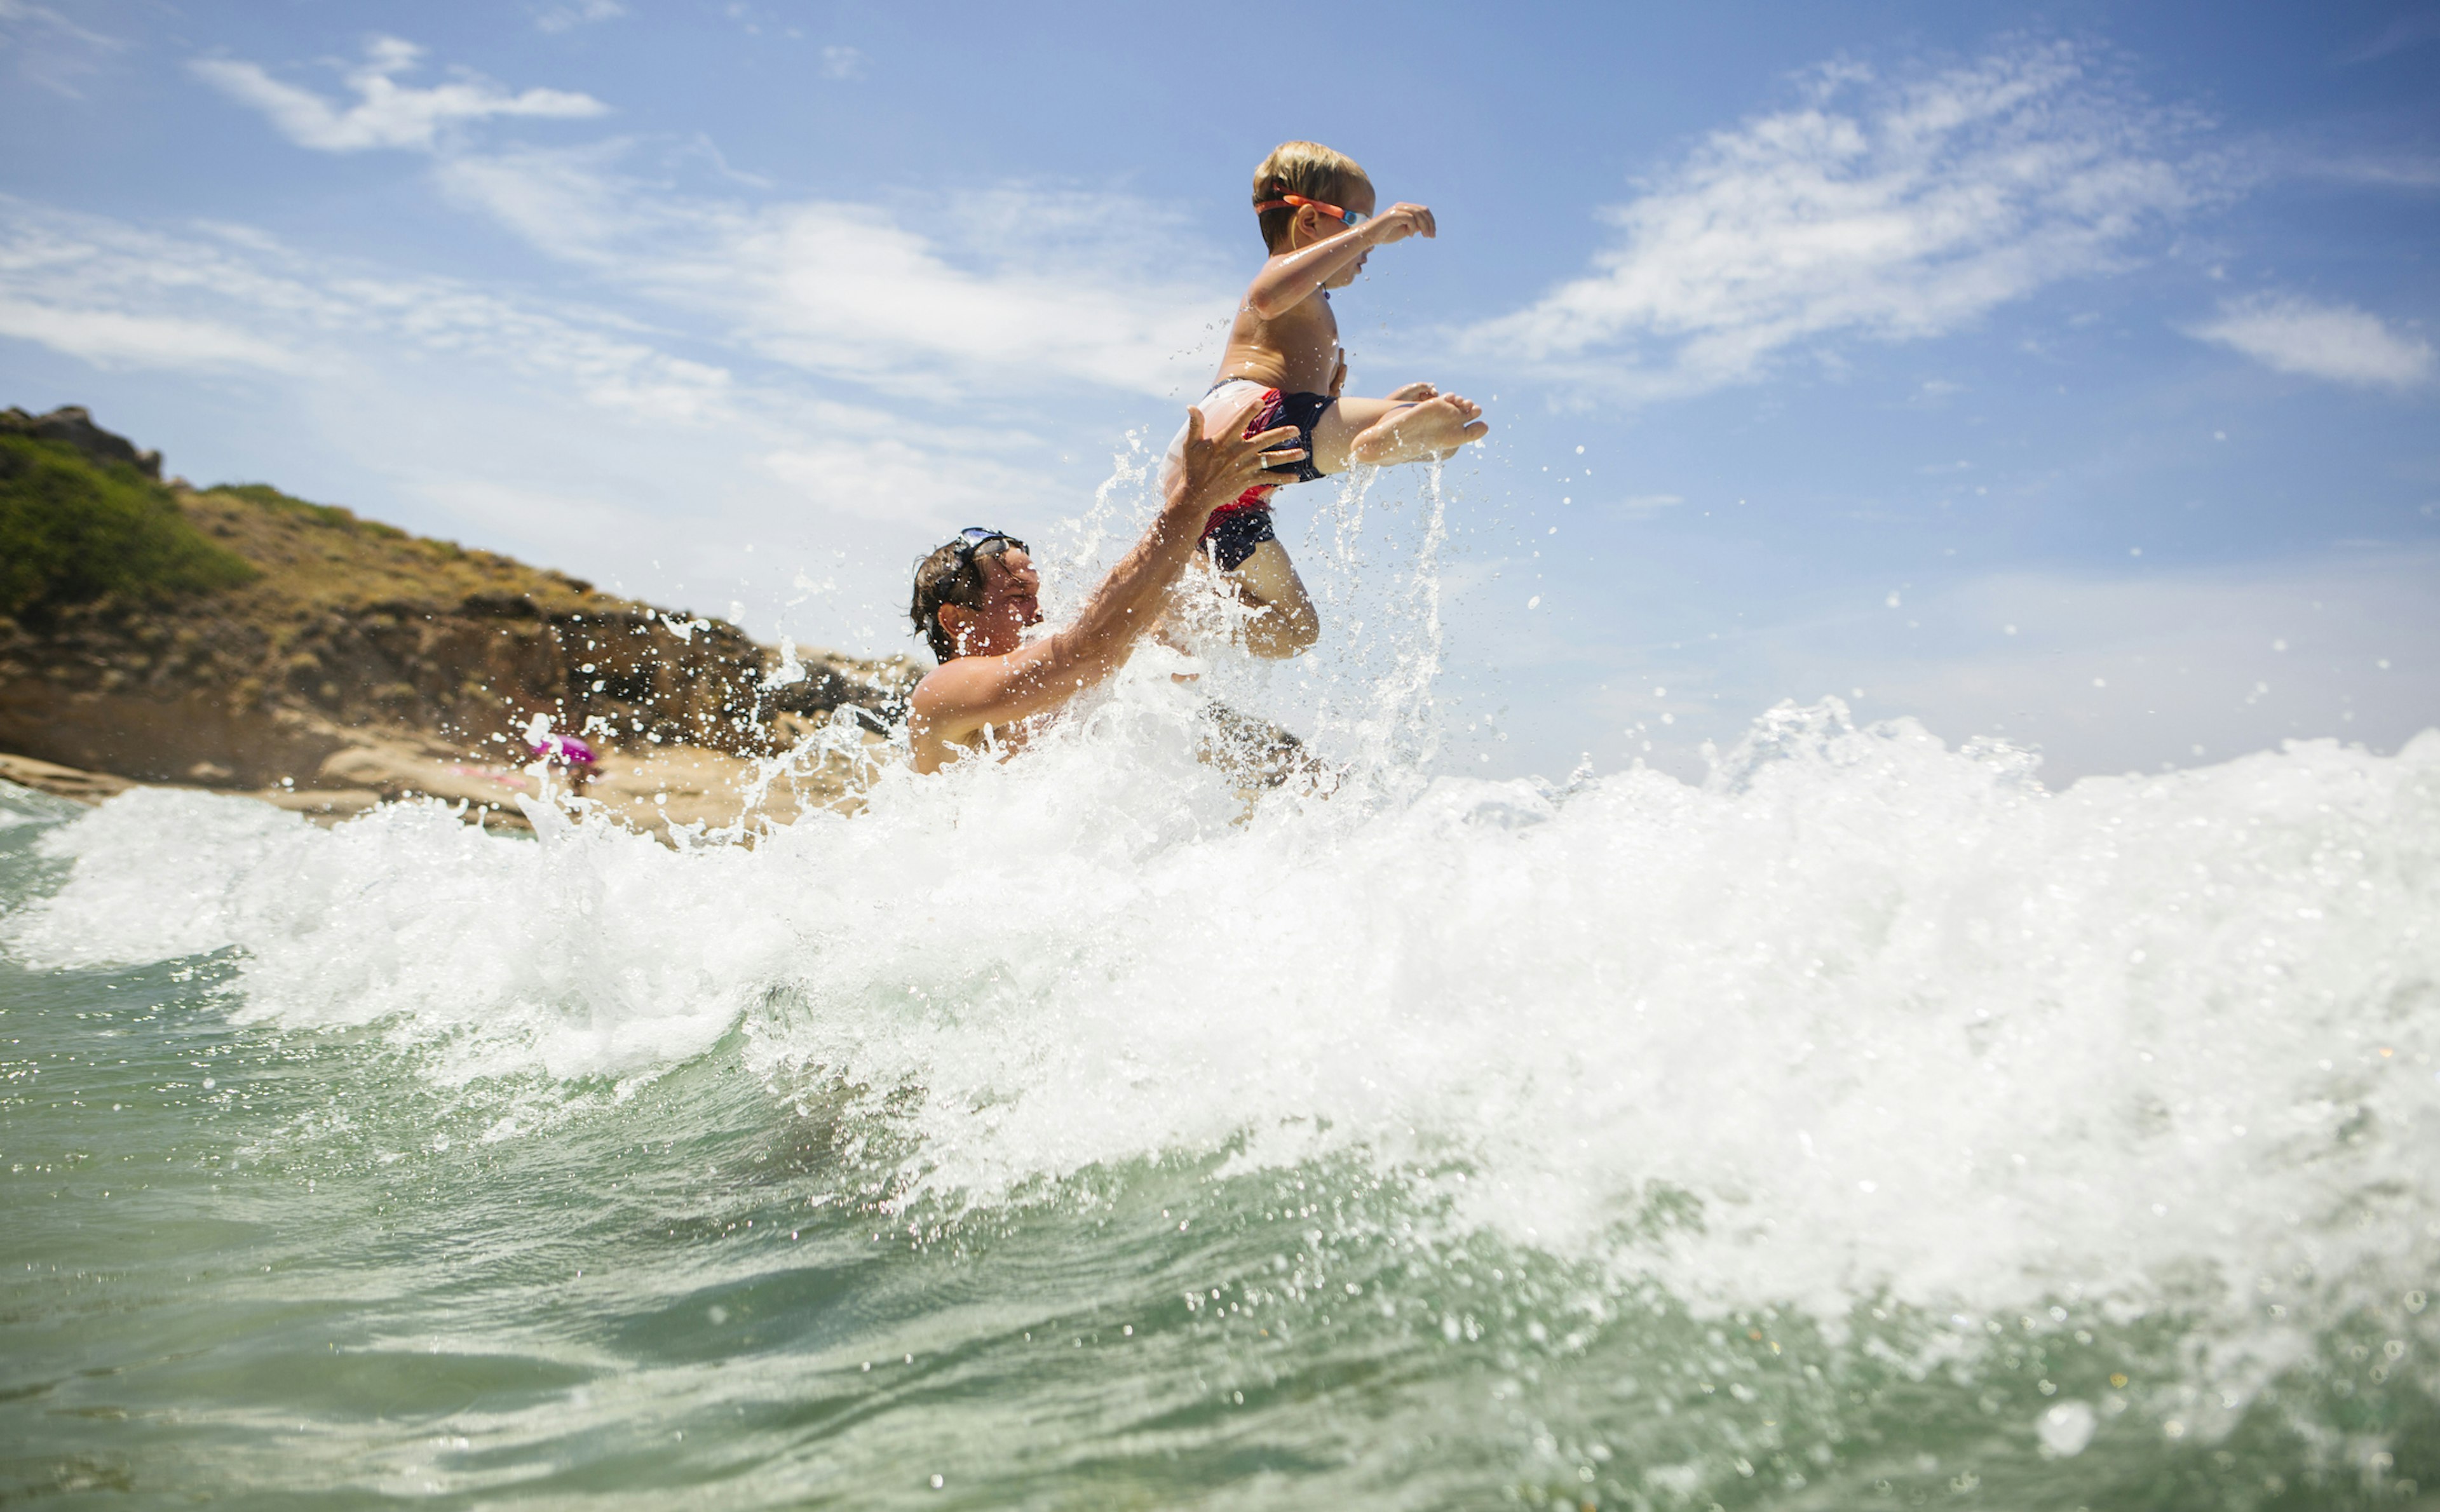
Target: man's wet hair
{"points": [[950, 576]]}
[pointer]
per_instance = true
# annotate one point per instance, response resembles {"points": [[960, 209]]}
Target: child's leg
{"points": [[1286, 623], [1382, 433], [1252, 564]]}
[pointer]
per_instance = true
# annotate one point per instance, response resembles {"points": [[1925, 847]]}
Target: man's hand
{"points": [[1399, 222], [1217, 468]]}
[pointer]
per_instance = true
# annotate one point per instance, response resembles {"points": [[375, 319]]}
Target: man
{"points": [[975, 597]]}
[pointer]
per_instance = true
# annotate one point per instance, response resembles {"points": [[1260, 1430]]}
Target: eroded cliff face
{"points": [[353, 630], [197, 693]]}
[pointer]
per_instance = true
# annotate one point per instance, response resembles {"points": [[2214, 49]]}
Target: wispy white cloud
{"points": [[565, 203], [2400, 34], [870, 474], [843, 62], [2394, 172], [2382, 166], [19, 15], [50, 49], [230, 298], [1017, 285], [575, 13], [386, 113], [952, 297], [1875, 211], [116, 297], [2340, 342], [471, 400], [112, 338]]}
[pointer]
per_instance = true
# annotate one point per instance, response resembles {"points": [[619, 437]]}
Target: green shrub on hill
{"points": [[72, 530]]}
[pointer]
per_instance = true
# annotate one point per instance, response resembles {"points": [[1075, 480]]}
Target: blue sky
{"points": [[2067, 375]]}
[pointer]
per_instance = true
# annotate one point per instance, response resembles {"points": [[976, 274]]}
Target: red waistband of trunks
{"points": [[1255, 498], [1264, 414]]}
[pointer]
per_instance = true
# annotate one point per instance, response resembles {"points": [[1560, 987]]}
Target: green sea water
{"points": [[398, 1164]]}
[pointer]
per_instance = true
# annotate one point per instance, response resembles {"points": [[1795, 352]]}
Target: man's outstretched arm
{"points": [[973, 691]]}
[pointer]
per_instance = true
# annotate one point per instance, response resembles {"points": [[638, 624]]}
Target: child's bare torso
{"points": [[1294, 351]]}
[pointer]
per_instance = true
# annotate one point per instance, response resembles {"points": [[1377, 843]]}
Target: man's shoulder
{"points": [[943, 681], [954, 702], [958, 683]]}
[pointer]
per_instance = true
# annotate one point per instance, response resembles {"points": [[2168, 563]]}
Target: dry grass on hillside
{"points": [[323, 557]]}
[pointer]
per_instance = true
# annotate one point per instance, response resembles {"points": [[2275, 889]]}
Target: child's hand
{"points": [[1399, 222], [1412, 393], [1338, 377]]}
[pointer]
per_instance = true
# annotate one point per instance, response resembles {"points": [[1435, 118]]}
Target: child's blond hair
{"points": [[1307, 170]]}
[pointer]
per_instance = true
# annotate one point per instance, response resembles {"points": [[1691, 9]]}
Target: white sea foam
{"points": [[1897, 1018], [1859, 1014]]}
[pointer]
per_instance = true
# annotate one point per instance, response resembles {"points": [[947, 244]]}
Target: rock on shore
{"points": [[357, 662]]}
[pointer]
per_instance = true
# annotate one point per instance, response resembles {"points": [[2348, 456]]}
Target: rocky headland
{"points": [[239, 639]]}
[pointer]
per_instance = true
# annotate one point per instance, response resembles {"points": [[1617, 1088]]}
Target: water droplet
{"points": [[2065, 1428]]}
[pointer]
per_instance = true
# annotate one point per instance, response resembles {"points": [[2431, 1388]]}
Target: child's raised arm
{"points": [[1290, 280]]}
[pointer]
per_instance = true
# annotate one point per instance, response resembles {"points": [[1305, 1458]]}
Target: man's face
{"points": [[1011, 601]]}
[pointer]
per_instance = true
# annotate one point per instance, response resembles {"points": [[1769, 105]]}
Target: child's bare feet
{"points": [[1436, 427], [1413, 393]]}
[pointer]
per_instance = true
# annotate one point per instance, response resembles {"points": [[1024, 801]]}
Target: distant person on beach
{"points": [[570, 755], [1283, 366], [975, 597]]}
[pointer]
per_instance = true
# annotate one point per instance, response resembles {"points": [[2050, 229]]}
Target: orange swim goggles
{"points": [[1349, 218]]}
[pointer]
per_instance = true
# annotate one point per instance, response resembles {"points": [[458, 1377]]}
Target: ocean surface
{"points": [[1863, 1126]]}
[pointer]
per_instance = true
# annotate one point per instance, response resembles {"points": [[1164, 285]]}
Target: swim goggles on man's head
{"points": [[979, 541], [1351, 218]]}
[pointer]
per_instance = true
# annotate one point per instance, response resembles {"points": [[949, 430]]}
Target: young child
{"points": [[1283, 366]]}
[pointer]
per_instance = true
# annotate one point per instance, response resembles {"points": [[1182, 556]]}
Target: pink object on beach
{"points": [[565, 749]]}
